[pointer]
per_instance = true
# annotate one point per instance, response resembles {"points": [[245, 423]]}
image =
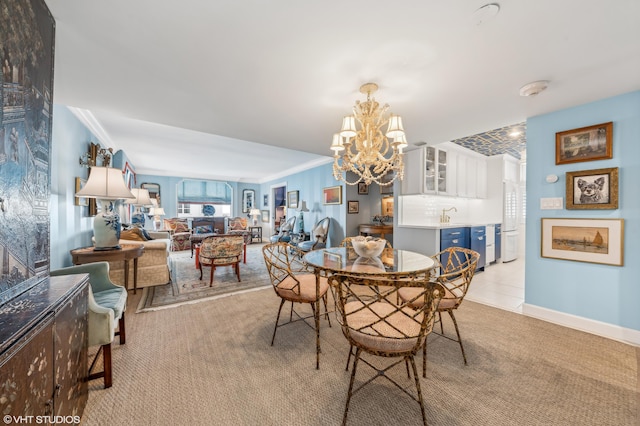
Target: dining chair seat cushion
{"points": [[115, 299], [397, 333], [448, 301], [305, 292]]}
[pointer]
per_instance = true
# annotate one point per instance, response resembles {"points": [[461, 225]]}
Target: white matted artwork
{"points": [[584, 240]]}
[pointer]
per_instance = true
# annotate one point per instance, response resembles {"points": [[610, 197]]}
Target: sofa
{"points": [[153, 265]]}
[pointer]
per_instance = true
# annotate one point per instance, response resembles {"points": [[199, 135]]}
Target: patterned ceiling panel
{"points": [[504, 140]]}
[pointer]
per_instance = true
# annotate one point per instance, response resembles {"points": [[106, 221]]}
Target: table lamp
{"points": [[157, 213], [255, 213], [106, 184], [140, 199], [303, 208]]}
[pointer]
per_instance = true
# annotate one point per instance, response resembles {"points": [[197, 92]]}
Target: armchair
{"points": [[239, 226], [180, 233], [107, 304], [222, 250], [319, 235], [284, 235]]}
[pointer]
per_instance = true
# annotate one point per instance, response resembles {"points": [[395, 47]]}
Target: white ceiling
{"points": [[248, 90]]}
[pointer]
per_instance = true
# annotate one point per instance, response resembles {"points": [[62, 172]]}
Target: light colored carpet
{"points": [[211, 363], [186, 287]]}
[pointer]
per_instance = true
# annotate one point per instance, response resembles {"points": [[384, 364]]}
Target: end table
{"points": [[84, 255], [256, 234]]}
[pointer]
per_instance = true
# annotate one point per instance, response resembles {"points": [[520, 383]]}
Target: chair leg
{"points": [[455, 324], [106, 356], [213, 268], [201, 272], [349, 392], [121, 330], [237, 265], [349, 358], [424, 358], [415, 374], [277, 319], [440, 321]]}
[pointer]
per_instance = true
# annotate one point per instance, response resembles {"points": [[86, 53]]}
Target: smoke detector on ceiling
{"points": [[533, 88]]}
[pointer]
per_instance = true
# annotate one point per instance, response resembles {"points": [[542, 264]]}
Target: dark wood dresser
{"points": [[43, 350]]}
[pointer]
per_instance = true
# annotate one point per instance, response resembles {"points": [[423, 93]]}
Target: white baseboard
{"points": [[615, 332]]}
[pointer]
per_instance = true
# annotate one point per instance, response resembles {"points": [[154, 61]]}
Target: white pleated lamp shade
{"points": [[140, 198], [105, 183]]}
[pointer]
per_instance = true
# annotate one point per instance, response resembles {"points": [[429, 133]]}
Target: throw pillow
{"points": [[204, 229], [133, 234], [145, 234], [181, 226]]}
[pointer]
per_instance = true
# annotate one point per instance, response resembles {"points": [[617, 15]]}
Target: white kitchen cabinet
{"points": [[481, 178], [413, 182]]}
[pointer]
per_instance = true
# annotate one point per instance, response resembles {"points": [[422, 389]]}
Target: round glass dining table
{"points": [[391, 262]]}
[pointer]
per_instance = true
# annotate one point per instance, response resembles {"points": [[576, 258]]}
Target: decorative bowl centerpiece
{"points": [[368, 246]]}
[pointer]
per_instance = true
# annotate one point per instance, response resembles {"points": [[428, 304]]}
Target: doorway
{"points": [[278, 205]]}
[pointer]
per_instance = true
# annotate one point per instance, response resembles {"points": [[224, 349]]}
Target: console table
{"points": [[43, 349], [372, 228], [84, 255]]}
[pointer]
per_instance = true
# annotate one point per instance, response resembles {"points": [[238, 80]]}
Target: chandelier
{"points": [[373, 156]]}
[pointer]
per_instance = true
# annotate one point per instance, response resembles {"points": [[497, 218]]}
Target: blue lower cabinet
{"points": [[453, 237], [478, 242]]}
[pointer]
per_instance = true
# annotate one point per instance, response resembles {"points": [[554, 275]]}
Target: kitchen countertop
{"points": [[447, 225]]}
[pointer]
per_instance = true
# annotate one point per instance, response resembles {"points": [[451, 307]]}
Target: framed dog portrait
{"points": [[585, 144], [592, 189]]}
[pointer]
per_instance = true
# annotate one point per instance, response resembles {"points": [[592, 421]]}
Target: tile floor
{"points": [[500, 285]]}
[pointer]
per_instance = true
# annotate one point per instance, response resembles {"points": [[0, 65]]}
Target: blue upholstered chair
{"points": [[318, 236], [107, 303], [285, 231]]}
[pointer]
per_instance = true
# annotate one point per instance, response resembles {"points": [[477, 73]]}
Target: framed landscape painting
{"points": [[585, 144], [584, 240]]}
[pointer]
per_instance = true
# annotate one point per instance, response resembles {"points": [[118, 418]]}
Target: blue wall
{"points": [[71, 225], [169, 196], [610, 294], [310, 184]]}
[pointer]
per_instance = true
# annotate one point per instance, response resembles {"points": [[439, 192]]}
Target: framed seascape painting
{"points": [[264, 216], [353, 207], [292, 199], [592, 189], [584, 240], [585, 144]]}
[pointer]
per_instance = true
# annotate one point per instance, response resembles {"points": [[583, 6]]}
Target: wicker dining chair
{"points": [[373, 322], [457, 267], [221, 250], [295, 282]]}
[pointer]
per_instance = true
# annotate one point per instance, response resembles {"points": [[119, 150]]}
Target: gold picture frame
{"points": [[332, 195], [80, 201], [585, 144], [387, 205], [292, 199], [592, 189], [583, 240]]}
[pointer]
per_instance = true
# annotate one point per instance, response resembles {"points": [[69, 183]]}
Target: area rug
{"points": [[186, 287]]}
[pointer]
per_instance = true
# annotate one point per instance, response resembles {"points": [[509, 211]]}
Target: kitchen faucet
{"points": [[444, 218]]}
